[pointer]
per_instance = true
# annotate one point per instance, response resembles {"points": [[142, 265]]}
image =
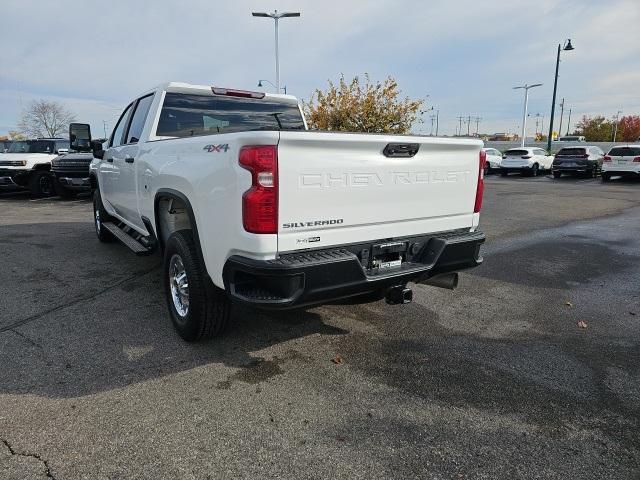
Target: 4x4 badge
{"points": [[216, 148]]}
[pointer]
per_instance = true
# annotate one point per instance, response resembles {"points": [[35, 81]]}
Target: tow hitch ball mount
{"points": [[398, 295]]}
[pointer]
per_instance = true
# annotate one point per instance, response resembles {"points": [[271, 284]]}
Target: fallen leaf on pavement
{"points": [[568, 304], [632, 313], [337, 360], [582, 324]]}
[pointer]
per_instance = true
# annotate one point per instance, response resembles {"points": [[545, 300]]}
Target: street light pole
{"points": [[566, 47], [276, 16], [615, 131], [561, 115], [526, 88], [569, 122]]}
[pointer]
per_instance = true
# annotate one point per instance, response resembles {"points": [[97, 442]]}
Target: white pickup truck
{"points": [[249, 206]]}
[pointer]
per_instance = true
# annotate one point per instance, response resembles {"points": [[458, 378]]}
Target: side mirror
{"points": [[96, 148], [80, 137]]}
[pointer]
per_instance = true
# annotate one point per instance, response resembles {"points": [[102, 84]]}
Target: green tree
{"points": [[358, 106], [595, 129]]}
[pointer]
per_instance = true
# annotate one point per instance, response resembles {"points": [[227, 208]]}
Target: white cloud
{"points": [[466, 54]]}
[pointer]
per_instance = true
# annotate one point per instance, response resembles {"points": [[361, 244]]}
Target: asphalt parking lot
{"points": [[494, 380]]}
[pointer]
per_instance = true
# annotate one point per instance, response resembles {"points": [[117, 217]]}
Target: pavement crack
{"points": [[14, 452], [78, 300], [27, 339]]}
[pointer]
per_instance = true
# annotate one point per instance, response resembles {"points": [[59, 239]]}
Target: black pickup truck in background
{"points": [[71, 172]]}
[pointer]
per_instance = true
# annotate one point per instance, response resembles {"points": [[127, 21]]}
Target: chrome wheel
{"points": [[179, 285], [98, 226]]}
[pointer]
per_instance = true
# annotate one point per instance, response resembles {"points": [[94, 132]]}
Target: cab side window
{"points": [[138, 119], [118, 133]]}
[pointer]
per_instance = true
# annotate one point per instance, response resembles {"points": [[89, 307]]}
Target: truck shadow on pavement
{"points": [[80, 317]]}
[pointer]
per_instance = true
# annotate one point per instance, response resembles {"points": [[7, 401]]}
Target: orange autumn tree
{"points": [[629, 128], [362, 106]]}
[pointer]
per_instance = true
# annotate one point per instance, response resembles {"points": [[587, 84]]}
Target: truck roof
{"points": [[183, 87]]}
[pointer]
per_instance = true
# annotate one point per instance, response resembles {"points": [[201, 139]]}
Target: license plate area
{"points": [[388, 256]]}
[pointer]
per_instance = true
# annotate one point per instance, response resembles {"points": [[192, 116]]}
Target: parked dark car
{"points": [[583, 160], [71, 173], [4, 145]]}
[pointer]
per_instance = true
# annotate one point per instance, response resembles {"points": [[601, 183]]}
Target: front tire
{"points": [[199, 310], [63, 192], [41, 184], [100, 216], [557, 174]]}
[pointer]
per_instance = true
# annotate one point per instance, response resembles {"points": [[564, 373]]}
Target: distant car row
{"points": [[622, 160]]}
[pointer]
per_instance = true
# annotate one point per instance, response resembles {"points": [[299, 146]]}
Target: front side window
{"points": [[118, 133], [138, 119], [188, 115]]}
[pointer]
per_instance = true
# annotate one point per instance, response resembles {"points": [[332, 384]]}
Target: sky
{"points": [[464, 57]]}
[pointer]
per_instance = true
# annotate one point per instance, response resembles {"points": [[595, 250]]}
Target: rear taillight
{"points": [[636, 159], [260, 202], [606, 158], [480, 187], [526, 157]]}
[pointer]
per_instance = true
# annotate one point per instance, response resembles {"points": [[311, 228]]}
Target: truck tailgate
{"points": [[341, 188]]}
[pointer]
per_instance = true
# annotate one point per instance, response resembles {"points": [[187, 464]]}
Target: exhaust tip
{"points": [[446, 280]]}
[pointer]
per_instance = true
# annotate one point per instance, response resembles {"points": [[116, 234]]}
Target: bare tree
{"points": [[45, 119]]}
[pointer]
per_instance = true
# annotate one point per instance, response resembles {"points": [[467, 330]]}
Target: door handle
{"points": [[110, 160], [129, 159]]}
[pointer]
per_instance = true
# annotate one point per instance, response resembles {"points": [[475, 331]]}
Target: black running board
{"points": [[140, 245]]}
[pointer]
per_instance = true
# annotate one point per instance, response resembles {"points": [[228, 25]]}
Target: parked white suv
{"points": [[623, 161], [27, 164], [249, 206], [494, 160], [525, 160]]}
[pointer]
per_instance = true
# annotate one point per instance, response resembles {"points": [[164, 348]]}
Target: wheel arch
{"points": [[171, 194]]}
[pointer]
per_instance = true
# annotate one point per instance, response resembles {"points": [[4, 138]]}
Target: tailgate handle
{"points": [[405, 150]]}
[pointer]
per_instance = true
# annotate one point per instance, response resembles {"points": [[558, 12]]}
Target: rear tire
{"points": [[535, 170], [557, 174], [504, 173], [41, 184], [594, 171], [199, 310], [100, 216], [606, 177]]}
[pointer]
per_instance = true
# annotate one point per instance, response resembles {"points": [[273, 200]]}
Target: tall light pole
{"points": [[276, 16], [526, 88], [561, 115], [284, 89], [615, 131], [567, 47], [569, 122]]}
